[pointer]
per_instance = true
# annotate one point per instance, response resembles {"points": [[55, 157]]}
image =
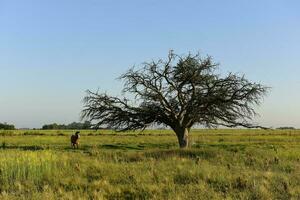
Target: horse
{"points": [[75, 140]]}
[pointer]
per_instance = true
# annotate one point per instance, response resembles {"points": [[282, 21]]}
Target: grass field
{"points": [[220, 164]]}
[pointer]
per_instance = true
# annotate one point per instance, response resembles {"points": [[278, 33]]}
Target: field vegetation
{"points": [[219, 164]]}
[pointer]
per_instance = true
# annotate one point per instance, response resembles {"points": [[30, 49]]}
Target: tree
{"points": [[6, 126], [179, 92], [72, 126]]}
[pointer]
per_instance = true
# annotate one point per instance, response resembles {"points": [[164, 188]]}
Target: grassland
{"points": [[220, 164]]}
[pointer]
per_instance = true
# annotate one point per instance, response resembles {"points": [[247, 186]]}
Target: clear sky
{"points": [[51, 51]]}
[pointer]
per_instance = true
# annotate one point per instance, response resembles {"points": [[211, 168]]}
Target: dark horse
{"points": [[75, 140]]}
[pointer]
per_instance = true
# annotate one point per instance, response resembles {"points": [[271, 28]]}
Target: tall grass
{"points": [[217, 166], [17, 166]]}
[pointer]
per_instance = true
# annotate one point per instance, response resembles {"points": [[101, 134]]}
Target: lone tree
{"points": [[178, 92]]}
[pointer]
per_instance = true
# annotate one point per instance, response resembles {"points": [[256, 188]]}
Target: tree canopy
{"points": [[6, 126], [179, 92], [72, 126]]}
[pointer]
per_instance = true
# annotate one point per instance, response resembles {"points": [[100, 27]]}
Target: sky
{"points": [[52, 51]]}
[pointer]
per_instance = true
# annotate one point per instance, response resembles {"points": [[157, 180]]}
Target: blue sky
{"points": [[51, 51]]}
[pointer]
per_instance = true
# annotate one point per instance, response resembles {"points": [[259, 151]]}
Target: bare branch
{"points": [[179, 92]]}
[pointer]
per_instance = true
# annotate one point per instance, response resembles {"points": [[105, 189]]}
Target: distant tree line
{"points": [[286, 127], [72, 126], [5, 126]]}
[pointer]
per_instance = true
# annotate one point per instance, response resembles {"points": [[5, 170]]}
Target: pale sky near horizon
{"points": [[51, 51]]}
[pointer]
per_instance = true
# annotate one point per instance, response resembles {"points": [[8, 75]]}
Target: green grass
{"points": [[220, 164]]}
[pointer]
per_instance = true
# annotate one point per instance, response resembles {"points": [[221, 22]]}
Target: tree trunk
{"points": [[183, 137]]}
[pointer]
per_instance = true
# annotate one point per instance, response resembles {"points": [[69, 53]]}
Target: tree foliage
{"points": [[178, 92], [72, 126], [5, 126]]}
